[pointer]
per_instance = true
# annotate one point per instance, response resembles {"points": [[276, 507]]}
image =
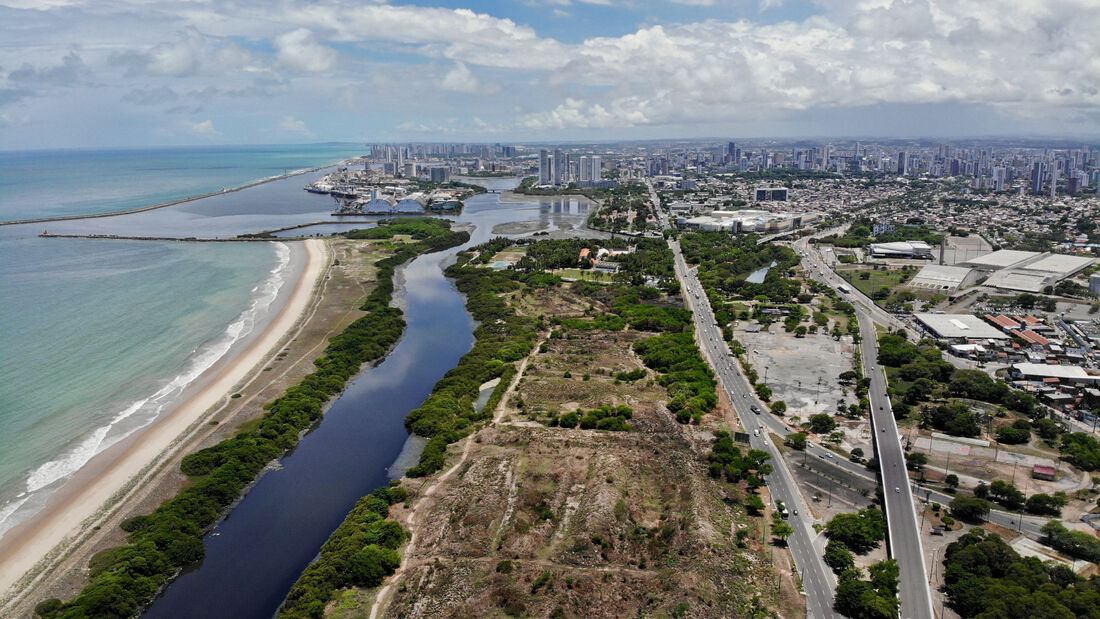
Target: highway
{"points": [[903, 532], [817, 580]]}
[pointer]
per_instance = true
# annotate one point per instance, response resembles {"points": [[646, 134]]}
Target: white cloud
{"points": [[300, 51], [1010, 54], [204, 128], [290, 124], [217, 60], [191, 53], [460, 79]]}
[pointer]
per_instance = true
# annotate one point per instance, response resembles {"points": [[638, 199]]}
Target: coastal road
{"points": [[817, 580]]}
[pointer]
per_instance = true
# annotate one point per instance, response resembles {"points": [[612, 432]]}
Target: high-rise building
{"points": [[731, 151], [1037, 171], [1053, 182], [561, 168], [998, 179], [903, 158], [441, 174], [546, 173]]}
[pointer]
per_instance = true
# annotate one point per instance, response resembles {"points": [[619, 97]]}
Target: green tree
{"points": [[822, 423], [838, 557], [970, 509], [915, 460], [755, 504], [1043, 505], [781, 531], [860, 532], [796, 440]]}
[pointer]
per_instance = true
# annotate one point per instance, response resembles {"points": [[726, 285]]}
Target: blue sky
{"points": [[95, 73]]}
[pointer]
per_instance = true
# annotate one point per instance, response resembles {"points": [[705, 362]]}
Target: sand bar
{"points": [[84, 495]]}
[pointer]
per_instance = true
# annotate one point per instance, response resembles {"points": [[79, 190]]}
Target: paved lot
{"points": [[803, 372]]}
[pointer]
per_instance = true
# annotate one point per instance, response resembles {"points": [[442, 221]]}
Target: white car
{"points": [[896, 489]]}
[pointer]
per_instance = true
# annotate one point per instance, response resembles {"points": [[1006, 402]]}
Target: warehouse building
{"points": [[942, 278], [959, 327]]}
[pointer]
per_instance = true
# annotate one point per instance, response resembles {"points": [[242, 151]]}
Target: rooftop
{"points": [[1001, 259], [954, 326]]}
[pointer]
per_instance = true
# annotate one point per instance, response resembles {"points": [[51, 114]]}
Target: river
{"points": [[255, 555]]}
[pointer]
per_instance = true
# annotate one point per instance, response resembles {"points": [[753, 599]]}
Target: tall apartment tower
{"points": [[546, 174], [561, 168], [1037, 171], [903, 161]]}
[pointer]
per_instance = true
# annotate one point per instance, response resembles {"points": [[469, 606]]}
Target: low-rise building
{"points": [[902, 249], [960, 328]]}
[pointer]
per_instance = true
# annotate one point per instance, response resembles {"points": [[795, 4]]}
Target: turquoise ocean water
{"points": [[54, 183], [97, 336]]}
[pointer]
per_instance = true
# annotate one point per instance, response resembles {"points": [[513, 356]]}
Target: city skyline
{"points": [[75, 73]]}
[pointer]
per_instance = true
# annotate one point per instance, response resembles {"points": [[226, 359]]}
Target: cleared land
{"points": [[535, 520]]}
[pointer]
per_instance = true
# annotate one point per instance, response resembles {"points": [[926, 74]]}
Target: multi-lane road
{"points": [[817, 580], [904, 536]]}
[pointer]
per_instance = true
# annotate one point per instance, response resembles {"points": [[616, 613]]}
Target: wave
{"points": [[144, 411]]}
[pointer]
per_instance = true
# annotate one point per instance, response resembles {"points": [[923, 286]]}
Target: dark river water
{"points": [[254, 556]]}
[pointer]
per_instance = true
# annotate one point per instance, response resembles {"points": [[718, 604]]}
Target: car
{"points": [[795, 512], [896, 489]]}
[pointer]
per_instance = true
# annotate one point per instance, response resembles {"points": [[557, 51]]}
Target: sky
{"points": [[112, 73]]}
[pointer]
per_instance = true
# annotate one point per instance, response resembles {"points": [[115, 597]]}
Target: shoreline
{"points": [[153, 207], [27, 550]]}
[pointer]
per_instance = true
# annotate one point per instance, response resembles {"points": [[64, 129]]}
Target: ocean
{"points": [[56, 183], [98, 336]]}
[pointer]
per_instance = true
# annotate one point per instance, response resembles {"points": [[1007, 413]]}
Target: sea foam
{"points": [[144, 411]]}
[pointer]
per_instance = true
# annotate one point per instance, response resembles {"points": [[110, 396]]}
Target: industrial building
{"points": [[1065, 373], [1035, 274], [945, 279], [902, 249], [764, 222], [959, 327]]}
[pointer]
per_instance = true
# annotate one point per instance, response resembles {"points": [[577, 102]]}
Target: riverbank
{"points": [[46, 552]]}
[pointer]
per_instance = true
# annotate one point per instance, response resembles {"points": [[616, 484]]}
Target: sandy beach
{"points": [[76, 508]]}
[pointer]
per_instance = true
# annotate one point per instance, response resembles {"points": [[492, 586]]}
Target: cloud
{"points": [[192, 53], [456, 34], [1013, 55], [300, 51], [460, 79], [70, 72], [290, 124], [150, 96], [205, 129]]}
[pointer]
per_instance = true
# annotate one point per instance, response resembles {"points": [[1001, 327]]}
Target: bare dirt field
{"points": [[535, 520]]}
